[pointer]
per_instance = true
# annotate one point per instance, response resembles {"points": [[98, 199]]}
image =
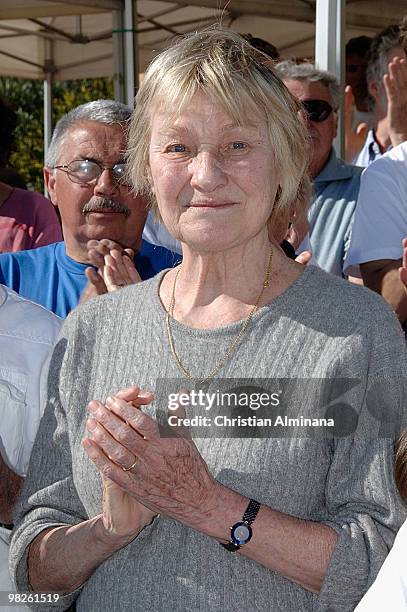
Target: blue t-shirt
{"points": [[49, 277]]}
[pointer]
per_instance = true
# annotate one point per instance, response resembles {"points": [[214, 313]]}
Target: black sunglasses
{"points": [[317, 110]]}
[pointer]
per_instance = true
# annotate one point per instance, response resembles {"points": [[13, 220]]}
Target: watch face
{"points": [[241, 533]]}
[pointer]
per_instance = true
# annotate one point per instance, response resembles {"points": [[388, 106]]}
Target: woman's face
{"points": [[214, 181]]}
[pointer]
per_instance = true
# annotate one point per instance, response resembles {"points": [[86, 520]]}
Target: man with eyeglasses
{"points": [[336, 184], [85, 174]]}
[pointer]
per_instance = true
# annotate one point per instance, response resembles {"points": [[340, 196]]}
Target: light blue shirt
{"points": [[331, 213]]}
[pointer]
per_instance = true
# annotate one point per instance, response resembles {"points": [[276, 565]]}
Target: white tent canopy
{"points": [[74, 39]]}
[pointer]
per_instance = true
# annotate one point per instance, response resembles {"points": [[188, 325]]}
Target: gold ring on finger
{"points": [[129, 468]]}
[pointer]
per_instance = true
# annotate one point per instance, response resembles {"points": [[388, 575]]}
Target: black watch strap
{"points": [[248, 517], [230, 546], [251, 511]]}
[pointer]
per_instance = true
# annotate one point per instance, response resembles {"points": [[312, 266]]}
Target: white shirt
{"points": [[27, 334], [156, 233], [370, 151], [389, 590], [380, 221]]}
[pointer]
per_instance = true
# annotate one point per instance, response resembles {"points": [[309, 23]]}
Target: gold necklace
{"points": [[236, 341]]}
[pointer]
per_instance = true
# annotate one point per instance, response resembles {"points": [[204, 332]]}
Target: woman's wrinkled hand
{"points": [[122, 515], [168, 475]]}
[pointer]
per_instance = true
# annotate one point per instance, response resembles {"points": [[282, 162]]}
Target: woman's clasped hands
{"points": [[145, 471]]}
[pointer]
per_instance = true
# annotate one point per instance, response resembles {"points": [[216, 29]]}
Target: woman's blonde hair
{"points": [[224, 66]]}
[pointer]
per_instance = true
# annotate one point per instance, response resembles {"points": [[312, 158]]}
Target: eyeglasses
{"points": [[317, 110], [84, 171]]}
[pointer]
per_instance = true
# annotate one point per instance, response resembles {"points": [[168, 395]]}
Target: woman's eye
{"points": [[177, 148], [237, 146]]}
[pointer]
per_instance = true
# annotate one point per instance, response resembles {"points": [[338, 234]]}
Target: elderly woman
{"points": [[130, 518]]}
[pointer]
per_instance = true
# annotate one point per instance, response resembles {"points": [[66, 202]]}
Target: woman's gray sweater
{"points": [[321, 327]]}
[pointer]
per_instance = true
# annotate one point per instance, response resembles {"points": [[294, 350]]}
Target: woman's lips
{"points": [[210, 204]]}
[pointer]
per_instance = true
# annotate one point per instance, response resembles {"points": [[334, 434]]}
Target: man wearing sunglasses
{"points": [[85, 175], [336, 184]]}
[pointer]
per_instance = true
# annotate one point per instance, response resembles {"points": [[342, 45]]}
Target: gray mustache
{"points": [[99, 204]]}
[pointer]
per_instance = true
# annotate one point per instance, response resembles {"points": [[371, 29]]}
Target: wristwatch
{"points": [[241, 532]]}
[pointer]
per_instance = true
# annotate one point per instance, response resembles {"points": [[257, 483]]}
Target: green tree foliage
{"points": [[26, 97]]}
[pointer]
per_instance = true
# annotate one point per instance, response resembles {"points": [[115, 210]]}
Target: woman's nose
{"points": [[207, 172]]}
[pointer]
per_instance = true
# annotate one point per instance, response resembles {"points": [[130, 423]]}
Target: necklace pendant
{"points": [[205, 382]]}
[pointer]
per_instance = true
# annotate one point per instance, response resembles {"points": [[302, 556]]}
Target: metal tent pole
{"points": [[130, 51], [47, 89], [47, 111], [329, 48], [118, 56]]}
